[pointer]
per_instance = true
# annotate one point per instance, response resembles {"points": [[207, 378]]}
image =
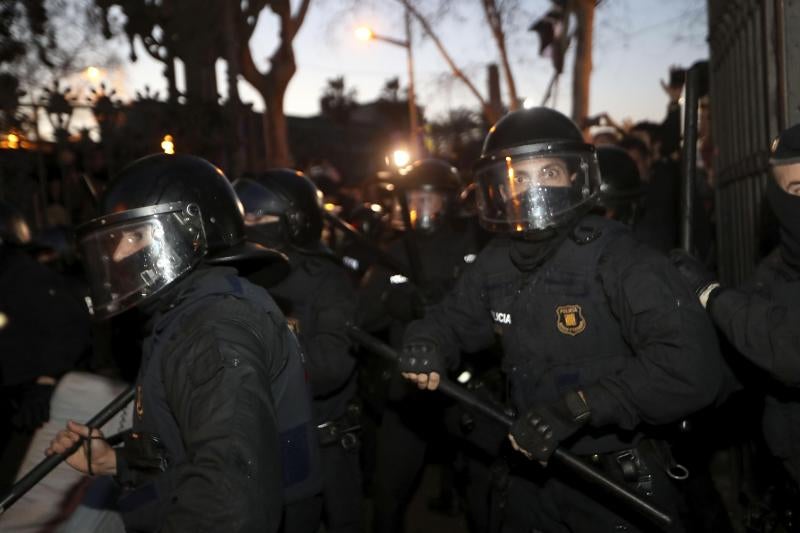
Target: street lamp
{"points": [[168, 145], [401, 158], [365, 33], [93, 73]]}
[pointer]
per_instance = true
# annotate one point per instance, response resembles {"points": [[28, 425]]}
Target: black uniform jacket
{"points": [[44, 328], [762, 319], [605, 315], [319, 300], [217, 368]]}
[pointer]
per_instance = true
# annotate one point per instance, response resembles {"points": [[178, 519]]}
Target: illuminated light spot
{"points": [[168, 145]]}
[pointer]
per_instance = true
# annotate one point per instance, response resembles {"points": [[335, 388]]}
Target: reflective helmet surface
{"points": [[430, 187], [283, 207], [159, 217], [14, 229], [535, 172]]}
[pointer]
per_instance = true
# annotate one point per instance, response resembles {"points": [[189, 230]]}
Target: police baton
{"points": [[564, 458], [37, 473]]}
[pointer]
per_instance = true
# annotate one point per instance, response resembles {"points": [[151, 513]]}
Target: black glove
{"points": [[539, 431], [32, 407], [421, 357], [695, 273]]}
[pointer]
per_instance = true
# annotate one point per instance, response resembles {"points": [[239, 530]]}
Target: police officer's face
{"points": [[132, 241], [538, 172], [788, 177]]}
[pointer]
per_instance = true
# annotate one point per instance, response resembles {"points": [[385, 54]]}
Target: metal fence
{"points": [[754, 69]]}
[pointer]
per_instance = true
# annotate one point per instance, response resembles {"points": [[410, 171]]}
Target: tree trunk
{"points": [[581, 78], [276, 132]]}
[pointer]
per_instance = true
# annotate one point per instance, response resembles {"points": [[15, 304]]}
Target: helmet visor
{"points": [[131, 260], [530, 192], [425, 208]]}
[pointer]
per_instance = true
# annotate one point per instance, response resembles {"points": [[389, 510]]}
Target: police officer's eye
{"points": [[134, 237], [551, 173], [521, 177]]}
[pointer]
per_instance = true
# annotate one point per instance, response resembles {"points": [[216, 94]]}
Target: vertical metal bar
{"points": [[694, 79]]}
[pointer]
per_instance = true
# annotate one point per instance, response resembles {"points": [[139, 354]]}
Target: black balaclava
{"points": [[536, 247], [787, 210]]}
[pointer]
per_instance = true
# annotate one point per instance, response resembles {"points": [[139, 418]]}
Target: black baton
{"points": [[38, 472], [565, 458]]}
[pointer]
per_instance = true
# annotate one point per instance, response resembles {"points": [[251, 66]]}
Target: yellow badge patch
{"points": [[138, 405], [570, 319]]}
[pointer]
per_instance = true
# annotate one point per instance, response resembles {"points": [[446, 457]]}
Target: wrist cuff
{"points": [[707, 293]]}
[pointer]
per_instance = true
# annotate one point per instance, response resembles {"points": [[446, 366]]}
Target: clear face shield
{"points": [[134, 254], [426, 208], [534, 192]]}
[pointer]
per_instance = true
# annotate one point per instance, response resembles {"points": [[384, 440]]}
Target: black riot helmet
{"points": [[535, 173], [159, 218], [14, 229], [283, 208], [620, 183], [785, 149], [430, 188]]}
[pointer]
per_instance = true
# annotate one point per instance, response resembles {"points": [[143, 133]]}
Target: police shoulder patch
{"points": [[570, 320]]}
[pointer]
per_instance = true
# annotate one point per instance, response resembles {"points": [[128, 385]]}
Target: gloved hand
{"points": [[32, 406], [421, 362], [702, 282], [539, 431]]}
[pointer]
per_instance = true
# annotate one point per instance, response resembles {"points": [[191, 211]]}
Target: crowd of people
{"points": [[546, 281]]}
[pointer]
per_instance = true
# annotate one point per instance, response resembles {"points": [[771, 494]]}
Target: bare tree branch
{"points": [[495, 20], [488, 112]]}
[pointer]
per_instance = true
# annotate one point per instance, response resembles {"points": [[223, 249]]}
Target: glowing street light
{"points": [[401, 158], [12, 139], [364, 33], [168, 145], [93, 73]]}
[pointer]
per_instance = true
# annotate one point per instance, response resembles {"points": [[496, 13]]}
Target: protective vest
{"points": [[557, 329], [143, 508]]}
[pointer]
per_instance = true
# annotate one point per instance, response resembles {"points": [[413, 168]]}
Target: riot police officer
{"points": [[221, 431], [283, 209], [602, 340], [435, 247], [760, 318], [620, 185]]}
